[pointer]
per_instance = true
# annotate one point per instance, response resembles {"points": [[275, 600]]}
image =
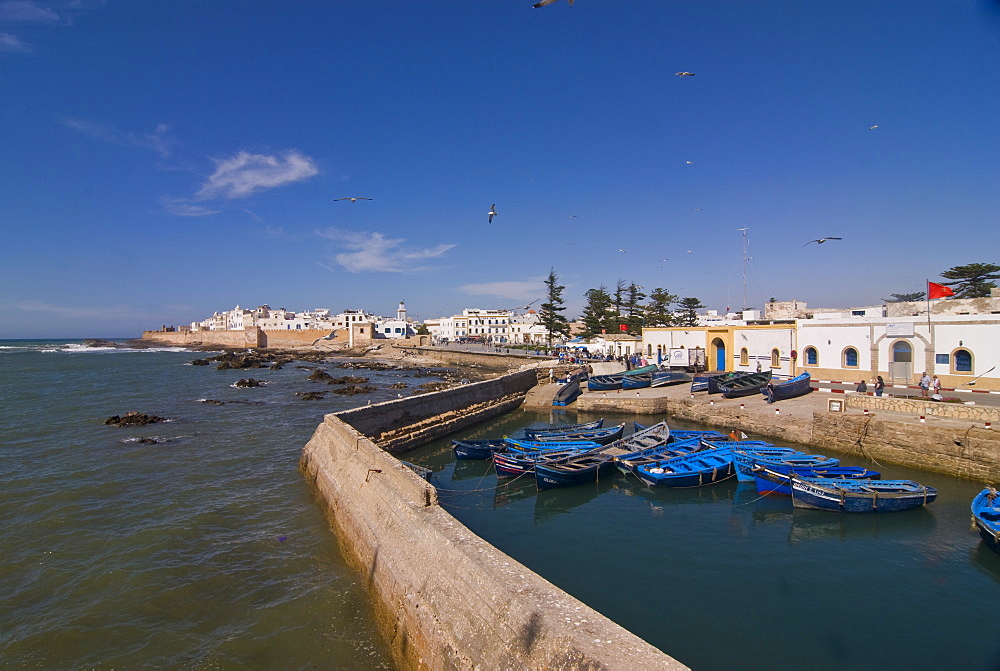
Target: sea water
{"points": [[204, 549], [721, 578]]}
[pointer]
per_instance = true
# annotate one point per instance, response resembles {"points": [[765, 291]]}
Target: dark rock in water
{"points": [[223, 366], [348, 379], [147, 440], [370, 365], [276, 366], [397, 385], [319, 375], [211, 401], [249, 382], [98, 342], [311, 395], [133, 418], [431, 386], [354, 390], [200, 362]]}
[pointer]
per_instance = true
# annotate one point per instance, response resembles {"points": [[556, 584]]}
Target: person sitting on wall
{"points": [[862, 387]]}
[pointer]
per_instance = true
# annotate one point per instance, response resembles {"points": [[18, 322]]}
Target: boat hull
{"points": [[477, 449], [779, 391], [986, 515], [782, 458], [839, 495], [774, 482]]}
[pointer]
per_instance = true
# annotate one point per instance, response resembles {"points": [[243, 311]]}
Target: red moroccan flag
{"points": [[935, 290], [622, 327]]}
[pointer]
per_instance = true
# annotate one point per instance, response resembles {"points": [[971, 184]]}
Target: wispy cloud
{"points": [[13, 43], [515, 290], [22, 11], [245, 174], [156, 141], [373, 251], [183, 207]]}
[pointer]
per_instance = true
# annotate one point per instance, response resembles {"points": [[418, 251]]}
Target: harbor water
{"points": [[721, 578], [202, 550]]}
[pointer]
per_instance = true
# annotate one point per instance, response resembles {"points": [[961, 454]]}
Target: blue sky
{"points": [[162, 160]]}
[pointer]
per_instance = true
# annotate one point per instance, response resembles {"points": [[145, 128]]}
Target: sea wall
{"points": [[488, 360], [251, 337], [445, 598]]}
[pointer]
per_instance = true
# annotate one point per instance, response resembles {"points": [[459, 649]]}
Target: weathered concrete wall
{"points": [[246, 338], [445, 598], [972, 413], [489, 361]]}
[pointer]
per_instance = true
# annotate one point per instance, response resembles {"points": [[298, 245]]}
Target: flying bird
{"points": [[689, 162], [623, 251], [684, 74], [542, 3], [821, 240], [353, 200], [492, 213], [873, 127]]}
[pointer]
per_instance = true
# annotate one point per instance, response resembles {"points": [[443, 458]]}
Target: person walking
{"points": [[935, 387], [879, 385], [925, 384]]}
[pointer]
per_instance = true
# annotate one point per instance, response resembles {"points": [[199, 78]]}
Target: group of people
{"points": [[930, 387]]}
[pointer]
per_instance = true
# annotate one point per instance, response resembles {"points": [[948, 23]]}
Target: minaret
{"points": [[401, 312]]}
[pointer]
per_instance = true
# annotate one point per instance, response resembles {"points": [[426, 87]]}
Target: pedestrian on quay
{"points": [[879, 385], [936, 387], [925, 384], [862, 387]]}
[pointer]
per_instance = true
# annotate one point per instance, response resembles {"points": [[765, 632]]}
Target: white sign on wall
{"points": [[901, 330]]}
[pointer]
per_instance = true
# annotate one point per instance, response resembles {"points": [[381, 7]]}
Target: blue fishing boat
{"points": [[477, 449], [614, 381], [778, 390], [986, 516], [778, 480], [601, 436], [627, 463], [515, 445], [568, 392], [860, 496], [684, 434], [701, 381], [777, 457], [568, 428], [640, 381], [692, 470], [745, 384], [511, 463], [664, 378]]}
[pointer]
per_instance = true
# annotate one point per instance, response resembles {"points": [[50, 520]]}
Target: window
{"points": [[744, 357], [775, 359], [850, 358], [962, 361], [811, 356], [942, 358], [857, 313]]}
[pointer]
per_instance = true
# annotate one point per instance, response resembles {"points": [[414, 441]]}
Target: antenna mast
{"points": [[746, 243]]}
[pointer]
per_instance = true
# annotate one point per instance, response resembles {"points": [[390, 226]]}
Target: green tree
{"points": [[688, 315], [598, 313], [973, 280], [658, 309], [633, 308], [550, 316], [906, 298], [422, 330]]}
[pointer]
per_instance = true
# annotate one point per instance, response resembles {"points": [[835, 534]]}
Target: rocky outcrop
{"points": [[133, 418]]}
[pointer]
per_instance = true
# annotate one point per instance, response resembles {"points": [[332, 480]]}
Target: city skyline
{"points": [[163, 161]]}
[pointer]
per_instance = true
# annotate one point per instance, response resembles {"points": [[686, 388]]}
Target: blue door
{"points": [[720, 355]]}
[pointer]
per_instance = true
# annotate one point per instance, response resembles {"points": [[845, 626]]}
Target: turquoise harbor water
{"points": [[206, 551], [721, 578]]}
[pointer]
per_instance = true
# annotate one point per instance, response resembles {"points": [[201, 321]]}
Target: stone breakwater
{"points": [[445, 598]]}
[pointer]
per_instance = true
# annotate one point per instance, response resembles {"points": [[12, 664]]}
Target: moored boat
{"points": [[778, 390], [664, 378], [640, 381], [986, 516], [576, 470], [515, 445], [568, 392], [568, 428], [692, 470], [601, 436], [860, 496], [781, 458], [512, 463], [745, 385], [775, 480], [627, 463], [614, 381], [477, 449]]}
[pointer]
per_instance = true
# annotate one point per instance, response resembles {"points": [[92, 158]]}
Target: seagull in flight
{"points": [[354, 199], [873, 127], [684, 74], [492, 213], [623, 251], [689, 162], [821, 240]]}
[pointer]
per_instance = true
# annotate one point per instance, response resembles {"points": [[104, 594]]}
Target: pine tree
{"points": [[550, 315], [658, 309], [598, 312], [973, 280], [688, 315], [634, 317], [906, 298]]}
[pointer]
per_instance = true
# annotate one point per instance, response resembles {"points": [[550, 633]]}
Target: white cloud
{"points": [[245, 174], [375, 252], [185, 208], [26, 12], [156, 141], [516, 290], [13, 43]]}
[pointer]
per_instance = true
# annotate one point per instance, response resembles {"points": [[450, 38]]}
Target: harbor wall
{"points": [[445, 598], [489, 360]]}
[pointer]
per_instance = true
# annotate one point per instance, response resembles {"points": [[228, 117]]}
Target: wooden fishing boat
{"points": [[586, 466], [614, 381], [684, 434], [515, 445], [701, 381], [860, 496], [715, 381], [776, 480], [477, 449], [986, 516], [640, 381], [778, 390], [627, 463], [510, 463], [782, 458], [692, 470], [568, 392], [664, 378], [745, 385], [568, 428], [601, 436]]}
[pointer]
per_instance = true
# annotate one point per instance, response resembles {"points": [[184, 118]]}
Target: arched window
{"points": [[812, 356], [775, 359], [744, 357], [850, 358], [902, 352], [961, 361]]}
